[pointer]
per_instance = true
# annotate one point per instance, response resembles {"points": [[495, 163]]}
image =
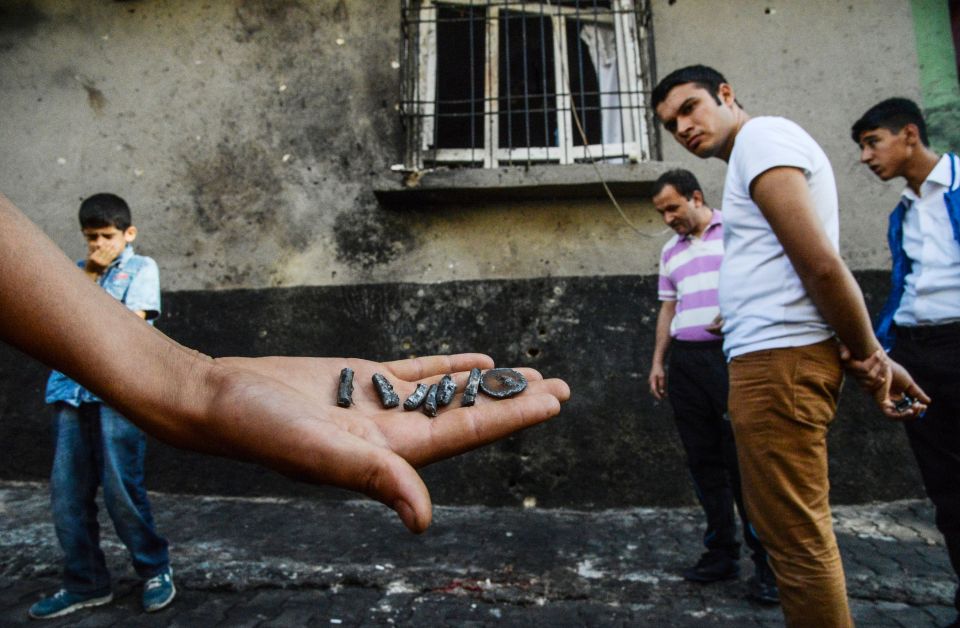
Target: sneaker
{"points": [[158, 591], [762, 585], [713, 566], [63, 603]]}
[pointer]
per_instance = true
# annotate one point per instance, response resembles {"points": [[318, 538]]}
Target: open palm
{"points": [[366, 447]]}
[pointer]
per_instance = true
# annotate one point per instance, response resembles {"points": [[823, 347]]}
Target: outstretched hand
{"points": [[366, 447]]}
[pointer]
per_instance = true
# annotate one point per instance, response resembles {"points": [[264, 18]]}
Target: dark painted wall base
{"points": [[612, 445]]}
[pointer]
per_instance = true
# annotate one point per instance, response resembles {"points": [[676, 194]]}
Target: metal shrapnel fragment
{"points": [[345, 388], [388, 397], [470, 391], [430, 403], [445, 390], [416, 398], [904, 404], [502, 383]]}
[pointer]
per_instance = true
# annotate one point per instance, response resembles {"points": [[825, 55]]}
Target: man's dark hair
{"points": [[704, 76], [682, 181], [104, 210], [892, 114]]}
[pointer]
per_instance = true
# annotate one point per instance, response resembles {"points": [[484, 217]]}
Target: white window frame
{"points": [[635, 145]]}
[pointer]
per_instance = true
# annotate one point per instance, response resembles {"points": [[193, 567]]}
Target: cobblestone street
{"points": [[288, 562]]}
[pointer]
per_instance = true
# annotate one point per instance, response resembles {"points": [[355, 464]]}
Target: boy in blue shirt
{"points": [[95, 445]]}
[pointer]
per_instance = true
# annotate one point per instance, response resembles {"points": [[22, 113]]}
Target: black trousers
{"points": [[697, 386], [932, 355]]}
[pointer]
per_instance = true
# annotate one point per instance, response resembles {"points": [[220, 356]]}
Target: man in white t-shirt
{"points": [[784, 294]]}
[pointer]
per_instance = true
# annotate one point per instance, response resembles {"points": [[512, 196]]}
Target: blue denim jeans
{"points": [[96, 446]]}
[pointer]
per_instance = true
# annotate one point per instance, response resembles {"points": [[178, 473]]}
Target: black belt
{"points": [[924, 332]]}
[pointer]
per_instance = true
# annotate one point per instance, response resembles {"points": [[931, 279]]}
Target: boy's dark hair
{"points": [[892, 114], [682, 181], [105, 210], [704, 76]]}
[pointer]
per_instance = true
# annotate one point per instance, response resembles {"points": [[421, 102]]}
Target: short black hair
{"points": [[105, 210], [682, 181], [892, 114], [704, 76]]}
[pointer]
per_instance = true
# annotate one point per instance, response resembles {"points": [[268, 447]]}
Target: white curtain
{"points": [[602, 43]]}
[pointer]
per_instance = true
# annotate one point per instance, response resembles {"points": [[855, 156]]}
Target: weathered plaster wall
{"points": [[248, 136], [820, 63]]}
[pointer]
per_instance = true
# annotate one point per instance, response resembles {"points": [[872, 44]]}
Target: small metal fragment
{"points": [[345, 388], [388, 397], [904, 404], [502, 383], [416, 398], [430, 403], [445, 390], [470, 391]]}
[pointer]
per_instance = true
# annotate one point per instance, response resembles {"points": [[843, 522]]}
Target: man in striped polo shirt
{"points": [[697, 386]]}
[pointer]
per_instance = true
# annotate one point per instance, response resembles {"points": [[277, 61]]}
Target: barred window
{"points": [[505, 82]]}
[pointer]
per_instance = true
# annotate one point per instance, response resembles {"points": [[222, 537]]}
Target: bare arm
{"points": [[784, 198], [658, 375], [277, 411]]}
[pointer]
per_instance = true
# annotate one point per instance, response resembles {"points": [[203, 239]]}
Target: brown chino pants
{"points": [[781, 404]]}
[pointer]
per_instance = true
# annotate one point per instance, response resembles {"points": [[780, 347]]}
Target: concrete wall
{"points": [[249, 136]]}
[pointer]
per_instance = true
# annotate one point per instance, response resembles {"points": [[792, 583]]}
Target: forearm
{"points": [[51, 311], [839, 300], [662, 340]]}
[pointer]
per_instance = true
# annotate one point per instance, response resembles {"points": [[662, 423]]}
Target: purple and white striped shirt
{"points": [[689, 274]]}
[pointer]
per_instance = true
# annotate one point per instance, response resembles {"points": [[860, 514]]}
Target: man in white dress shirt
{"points": [[920, 323]]}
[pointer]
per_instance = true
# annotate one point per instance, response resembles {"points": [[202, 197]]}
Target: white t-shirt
{"points": [[763, 303]]}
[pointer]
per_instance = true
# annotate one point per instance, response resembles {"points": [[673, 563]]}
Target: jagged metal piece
{"points": [[388, 396], [445, 390], [430, 403], [502, 383], [345, 388], [416, 397], [470, 390], [904, 404]]}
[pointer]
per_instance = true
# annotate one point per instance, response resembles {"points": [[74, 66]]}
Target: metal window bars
{"points": [[520, 82]]}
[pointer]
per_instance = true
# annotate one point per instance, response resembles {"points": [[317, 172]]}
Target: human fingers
{"points": [[379, 473], [462, 429], [391, 480], [657, 387], [917, 393], [892, 412], [415, 369], [873, 372]]}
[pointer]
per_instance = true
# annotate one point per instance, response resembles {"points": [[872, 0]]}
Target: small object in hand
{"points": [[904, 404], [416, 398], [470, 391], [445, 390], [430, 403], [345, 389], [502, 383], [388, 396]]}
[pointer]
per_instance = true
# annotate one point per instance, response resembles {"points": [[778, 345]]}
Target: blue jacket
{"points": [[902, 264]]}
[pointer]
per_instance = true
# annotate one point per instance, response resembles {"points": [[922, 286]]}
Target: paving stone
{"points": [[283, 562]]}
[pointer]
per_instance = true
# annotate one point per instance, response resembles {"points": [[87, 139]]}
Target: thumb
{"points": [[389, 479]]}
